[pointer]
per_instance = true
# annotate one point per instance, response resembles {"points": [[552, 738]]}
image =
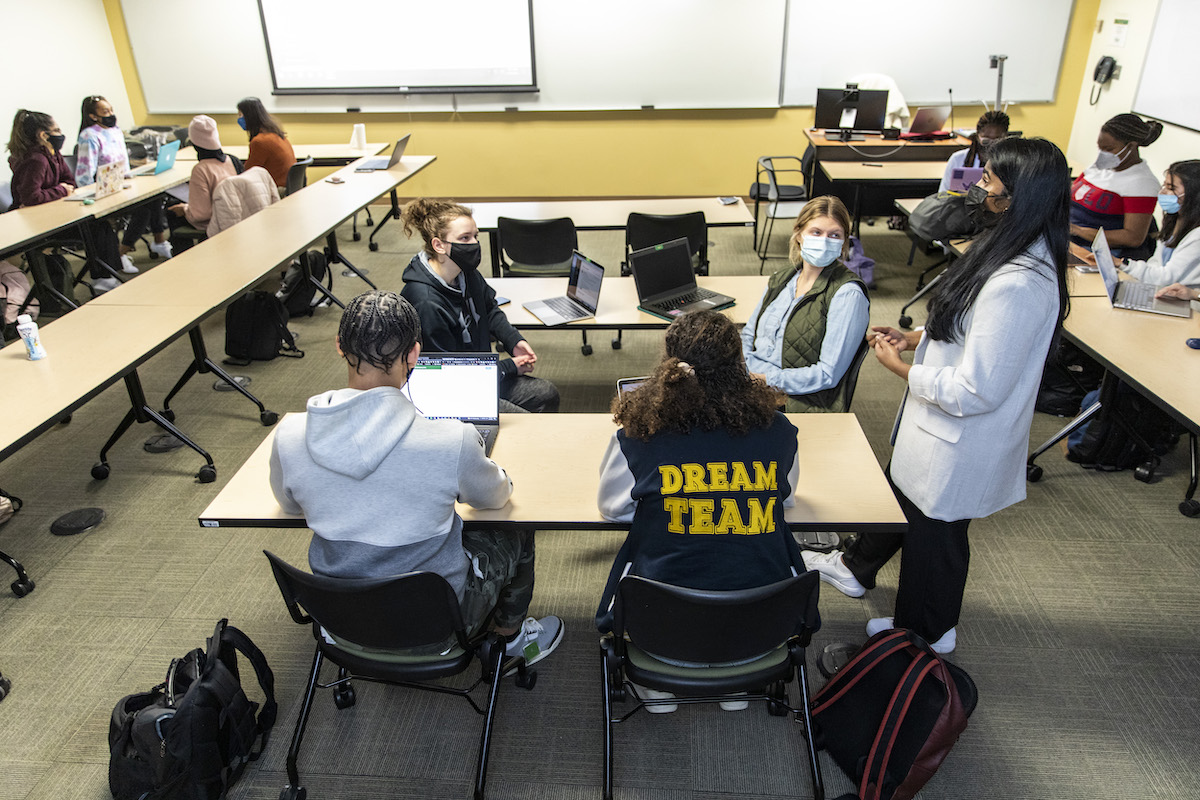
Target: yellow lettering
{"points": [[672, 479], [693, 478], [764, 476], [702, 516], [717, 479], [761, 520], [675, 506], [731, 518], [740, 482]]}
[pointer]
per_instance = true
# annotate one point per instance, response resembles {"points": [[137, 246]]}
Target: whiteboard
{"points": [[611, 55], [1168, 90], [928, 48]]}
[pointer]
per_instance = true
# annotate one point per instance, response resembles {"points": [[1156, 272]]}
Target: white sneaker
{"points": [[102, 285], [645, 693], [162, 248], [943, 645], [834, 572], [127, 265], [537, 639]]}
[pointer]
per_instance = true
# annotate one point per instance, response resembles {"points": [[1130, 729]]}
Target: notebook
{"points": [[963, 178], [462, 386], [1132, 295], [666, 285], [384, 162], [581, 299]]}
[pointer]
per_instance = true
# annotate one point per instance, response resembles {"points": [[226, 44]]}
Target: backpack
{"points": [[256, 330], [860, 263], [14, 294], [299, 296], [1107, 445], [58, 272], [941, 216], [890, 716], [1069, 374], [191, 736], [10, 504]]}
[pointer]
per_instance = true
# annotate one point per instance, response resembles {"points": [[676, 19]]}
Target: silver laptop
{"points": [[384, 162], [581, 300], [666, 285], [929, 120], [626, 385], [1133, 295], [462, 386]]}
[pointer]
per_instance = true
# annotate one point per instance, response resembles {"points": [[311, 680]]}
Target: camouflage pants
{"points": [[500, 578]]}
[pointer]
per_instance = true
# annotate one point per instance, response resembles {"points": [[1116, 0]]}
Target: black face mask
{"points": [[110, 121], [979, 213], [56, 142], [466, 256]]}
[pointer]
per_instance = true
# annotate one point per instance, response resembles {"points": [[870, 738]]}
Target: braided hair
{"points": [[1132, 128], [26, 127], [989, 119], [378, 328]]}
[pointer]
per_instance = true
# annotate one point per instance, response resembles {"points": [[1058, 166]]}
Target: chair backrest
{"points": [[297, 177], [536, 247], [646, 230], [239, 196], [850, 379], [405, 611], [712, 627], [5, 196]]}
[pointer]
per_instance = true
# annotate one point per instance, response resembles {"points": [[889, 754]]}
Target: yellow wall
{"points": [[605, 153]]}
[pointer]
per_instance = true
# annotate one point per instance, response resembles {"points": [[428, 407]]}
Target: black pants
{"points": [[104, 247], [147, 215], [934, 559]]}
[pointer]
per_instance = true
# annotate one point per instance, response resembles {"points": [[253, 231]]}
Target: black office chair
{"points": [[761, 632], [645, 230], [782, 200], [405, 630], [850, 379], [297, 177]]}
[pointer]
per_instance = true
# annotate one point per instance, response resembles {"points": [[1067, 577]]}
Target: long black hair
{"points": [[1035, 176], [1177, 226], [258, 119], [26, 127]]}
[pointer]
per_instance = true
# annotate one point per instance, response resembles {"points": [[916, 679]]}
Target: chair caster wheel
{"points": [[357, 236], [1033, 473], [168, 414], [268, 418], [344, 697], [528, 680], [777, 706], [1190, 508], [5, 687], [293, 793], [100, 471], [616, 344], [66, 420], [905, 321], [586, 349], [373, 246], [1144, 473], [207, 474], [22, 588]]}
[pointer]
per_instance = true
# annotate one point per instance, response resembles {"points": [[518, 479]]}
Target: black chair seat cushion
{"points": [[762, 191], [646, 670], [395, 665]]}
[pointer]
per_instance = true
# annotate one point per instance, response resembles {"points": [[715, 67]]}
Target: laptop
{"points": [[581, 300], [1133, 295], [666, 285], [626, 385], [929, 120], [384, 162], [166, 160], [462, 386], [963, 178]]}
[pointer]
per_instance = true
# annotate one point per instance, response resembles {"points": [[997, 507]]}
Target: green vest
{"points": [[804, 330]]}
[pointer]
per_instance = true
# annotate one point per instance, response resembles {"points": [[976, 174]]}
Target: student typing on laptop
{"points": [[458, 309], [377, 483], [1176, 257], [803, 334]]}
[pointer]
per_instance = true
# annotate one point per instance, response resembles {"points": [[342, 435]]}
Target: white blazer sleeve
{"points": [[1183, 267]]}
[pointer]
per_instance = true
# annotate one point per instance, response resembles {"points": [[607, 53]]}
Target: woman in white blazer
{"points": [[963, 431]]}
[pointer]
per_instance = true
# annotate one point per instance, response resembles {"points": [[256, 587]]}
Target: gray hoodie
{"points": [[378, 482]]}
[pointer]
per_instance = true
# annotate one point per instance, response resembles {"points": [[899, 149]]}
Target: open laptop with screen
{"points": [[1132, 295], [963, 178], [929, 120], [666, 285], [164, 162], [462, 386], [581, 300], [385, 162]]}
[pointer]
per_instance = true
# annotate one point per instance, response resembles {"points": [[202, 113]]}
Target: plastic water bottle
{"points": [[27, 329]]}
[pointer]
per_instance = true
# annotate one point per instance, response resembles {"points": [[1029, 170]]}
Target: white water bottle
{"points": [[27, 329]]}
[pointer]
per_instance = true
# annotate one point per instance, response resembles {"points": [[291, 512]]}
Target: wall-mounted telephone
{"points": [[1102, 75]]}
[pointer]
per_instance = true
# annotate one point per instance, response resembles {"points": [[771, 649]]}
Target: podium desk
{"points": [[554, 462]]}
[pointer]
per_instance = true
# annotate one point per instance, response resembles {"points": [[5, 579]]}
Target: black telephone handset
{"points": [[1104, 69]]}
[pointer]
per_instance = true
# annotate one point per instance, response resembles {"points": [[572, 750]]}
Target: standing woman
{"points": [[102, 142], [963, 432], [269, 147], [1118, 191]]}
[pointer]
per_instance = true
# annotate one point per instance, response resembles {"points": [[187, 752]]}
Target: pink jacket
{"points": [[240, 196], [206, 176]]}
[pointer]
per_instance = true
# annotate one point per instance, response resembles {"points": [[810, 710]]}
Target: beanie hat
{"points": [[202, 131]]}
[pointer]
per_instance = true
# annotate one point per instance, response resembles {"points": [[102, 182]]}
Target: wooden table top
{"points": [[554, 461], [612, 214], [884, 170]]}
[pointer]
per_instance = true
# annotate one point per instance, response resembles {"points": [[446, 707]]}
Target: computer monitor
{"points": [[851, 109]]}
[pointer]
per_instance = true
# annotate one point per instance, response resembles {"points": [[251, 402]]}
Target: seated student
{"points": [[990, 128], [1176, 257], [269, 147], [1117, 192], [40, 175], [703, 466], [457, 307], [212, 166], [102, 142], [804, 332], [377, 483]]}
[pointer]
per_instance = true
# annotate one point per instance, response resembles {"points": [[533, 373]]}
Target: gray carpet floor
{"points": [[1080, 625]]}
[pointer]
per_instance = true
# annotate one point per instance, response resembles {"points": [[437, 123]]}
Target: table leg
{"points": [[393, 213], [336, 257], [201, 364]]}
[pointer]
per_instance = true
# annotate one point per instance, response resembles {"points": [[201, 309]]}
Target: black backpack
{"points": [[191, 736], [890, 716], [941, 216], [256, 330], [299, 296], [1107, 444], [58, 271]]}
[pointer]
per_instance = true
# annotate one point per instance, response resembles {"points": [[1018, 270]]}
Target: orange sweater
{"points": [[274, 154]]}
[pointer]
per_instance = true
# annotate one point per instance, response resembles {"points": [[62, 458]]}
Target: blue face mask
{"points": [[242, 123], [820, 251], [1169, 203]]}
